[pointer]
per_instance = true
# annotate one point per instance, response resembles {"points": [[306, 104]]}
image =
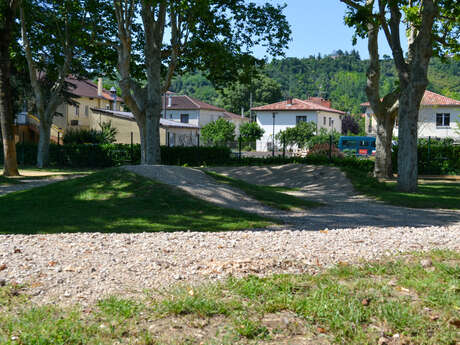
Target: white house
{"points": [[276, 117], [185, 109], [438, 117]]}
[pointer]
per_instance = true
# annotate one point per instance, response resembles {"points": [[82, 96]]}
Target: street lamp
{"points": [[273, 135]]}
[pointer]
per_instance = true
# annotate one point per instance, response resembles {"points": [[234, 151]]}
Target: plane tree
{"points": [[432, 28], [156, 39], [8, 14]]}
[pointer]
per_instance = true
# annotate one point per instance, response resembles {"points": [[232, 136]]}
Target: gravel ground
{"points": [[69, 268], [83, 267]]}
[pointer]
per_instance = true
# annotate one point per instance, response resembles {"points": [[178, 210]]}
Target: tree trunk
{"points": [[383, 167], [10, 167], [409, 105], [43, 144], [152, 142]]}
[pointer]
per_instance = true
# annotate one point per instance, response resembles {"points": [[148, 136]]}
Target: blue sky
{"points": [[318, 27]]}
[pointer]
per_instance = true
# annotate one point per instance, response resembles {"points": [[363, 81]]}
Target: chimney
{"points": [[289, 101], [320, 101], [99, 87], [169, 101], [242, 111]]}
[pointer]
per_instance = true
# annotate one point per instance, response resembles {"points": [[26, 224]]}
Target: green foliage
{"points": [[106, 135], [250, 132], [108, 155], [237, 95], [298, 135], [323, 137], [342, 79], [435, 158], [218, 132]]}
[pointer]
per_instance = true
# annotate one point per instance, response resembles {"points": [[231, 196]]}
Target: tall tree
{"points": [[215, 36], [8, 9], [54, 36], [432, 26]]}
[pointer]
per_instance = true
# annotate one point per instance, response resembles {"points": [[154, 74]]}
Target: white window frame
{"points": [[444, 116]]}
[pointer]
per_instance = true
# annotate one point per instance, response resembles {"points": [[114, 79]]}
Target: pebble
{"points": [[194, 257]]}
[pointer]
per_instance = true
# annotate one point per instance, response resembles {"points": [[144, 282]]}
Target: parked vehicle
{"points": [[360, 146]]}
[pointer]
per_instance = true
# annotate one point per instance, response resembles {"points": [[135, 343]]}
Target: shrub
{"points": [[323, 149], [106, 135], [250, 132], [298, 135], [219, 132]]}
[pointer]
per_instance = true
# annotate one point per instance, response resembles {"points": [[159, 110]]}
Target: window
{"points": [[300, 119], [86, 110], [77, 110], [330, 122], [74, 122], [324, 120], [442, 120], [184, 118]]}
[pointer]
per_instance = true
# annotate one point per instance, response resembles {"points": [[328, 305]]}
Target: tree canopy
{"points": [[218, 132]]}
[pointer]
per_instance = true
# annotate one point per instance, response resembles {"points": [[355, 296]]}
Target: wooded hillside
{"points": [[340, 77]]}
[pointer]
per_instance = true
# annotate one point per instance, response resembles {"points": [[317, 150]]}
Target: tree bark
{"points": [[43, 144], [383, 167], [10, 167]]}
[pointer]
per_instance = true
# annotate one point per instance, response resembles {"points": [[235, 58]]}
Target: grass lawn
{"points": [[115, 200], [267, 195], [399, 300], [429, 195]]}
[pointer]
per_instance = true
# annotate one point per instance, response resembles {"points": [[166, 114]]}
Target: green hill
{"points": [[341, 77]]}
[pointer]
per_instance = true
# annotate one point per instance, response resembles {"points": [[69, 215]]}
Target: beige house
{"points": [[438, 117]]}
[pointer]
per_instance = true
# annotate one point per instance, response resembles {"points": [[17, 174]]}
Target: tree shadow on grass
{"points": [[115, 201]]}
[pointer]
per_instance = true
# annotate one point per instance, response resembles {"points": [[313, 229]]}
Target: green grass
{"points": [[5, 181], [115, 200], [267, 195], [420, 305], [429, 195]]}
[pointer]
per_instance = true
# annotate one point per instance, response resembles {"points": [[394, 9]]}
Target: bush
{"points": [[250, 132], [297, 136], [107, 155], [323, 149], [438, 158], [219, 132], [106, 135]]}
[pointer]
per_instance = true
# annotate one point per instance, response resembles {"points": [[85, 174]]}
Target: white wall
{"points": [[427, 123], [283, 120], [174, 115]]}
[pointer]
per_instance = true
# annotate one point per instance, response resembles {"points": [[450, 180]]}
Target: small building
{"points": [[276, 117], [185, 109], [172, 133], [439, 117]]}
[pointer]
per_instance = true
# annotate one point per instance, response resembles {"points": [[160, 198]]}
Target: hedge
{"points": [[438, 158], [107, 155]]}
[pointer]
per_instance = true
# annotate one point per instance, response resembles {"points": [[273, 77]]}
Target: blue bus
{"points": [[361, 146]]}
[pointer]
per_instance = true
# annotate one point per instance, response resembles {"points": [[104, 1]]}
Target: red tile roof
{"points": [[234, 116], [431, 98], [297, 104], [87, 88], [186, 102]]}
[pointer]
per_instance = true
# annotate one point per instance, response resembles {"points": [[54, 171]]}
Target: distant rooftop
{"points": [[296, 104], [431, 98]]}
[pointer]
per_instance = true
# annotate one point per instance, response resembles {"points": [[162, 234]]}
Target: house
{"points": [[172, 133], [185, 109], [276, 117], [87, 95], [439, 117], [182, 116]]}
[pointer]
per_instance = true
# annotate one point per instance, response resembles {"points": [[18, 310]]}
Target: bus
{"points": [[360, 146]]}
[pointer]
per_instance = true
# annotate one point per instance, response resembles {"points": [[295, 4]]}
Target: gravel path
{"points": [[69, 268], [83, 267], [344, 208]]}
